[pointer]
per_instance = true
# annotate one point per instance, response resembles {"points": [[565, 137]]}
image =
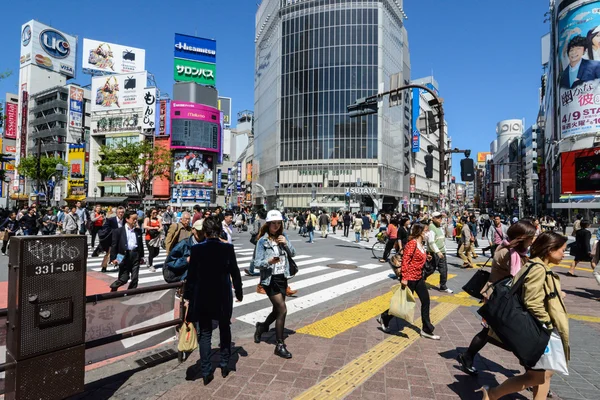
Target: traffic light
{"points": [[428, 166], [467, 171], [361, 107]]}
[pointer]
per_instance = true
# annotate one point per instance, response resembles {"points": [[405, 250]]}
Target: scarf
{"points": [[515, 259]]}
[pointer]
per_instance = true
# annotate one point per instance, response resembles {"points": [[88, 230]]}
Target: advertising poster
{"points": [[24, 114], [194, 71], [162, 118], [76, 179], [249, 172], [579, 69], [118, 92], [195, 48], [239, 176], [192, 168], [225, 108], [149, 121], [581, 171], [113, 58], [12, 116], [219, 180], [195, 126], [481, 157], [416, 110], [48, 48], [75, 107]]}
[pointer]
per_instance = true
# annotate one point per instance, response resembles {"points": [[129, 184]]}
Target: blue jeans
{"points": [[311, 235], [204, 328], [357, 236]]}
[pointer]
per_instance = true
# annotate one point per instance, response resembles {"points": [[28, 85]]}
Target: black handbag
{"points": [[291, 262], [520, 331], [476, 283]]}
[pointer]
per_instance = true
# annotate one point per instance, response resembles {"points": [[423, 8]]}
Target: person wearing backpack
{"points": [[539, 281], [311, 222], [510, 255]]}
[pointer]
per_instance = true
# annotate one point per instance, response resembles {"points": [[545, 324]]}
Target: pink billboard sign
{"points": [[12, 114], [195, 127]]}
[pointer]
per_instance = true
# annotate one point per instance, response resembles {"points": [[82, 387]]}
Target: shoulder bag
{"points": [[520, 331], [292, 263]]}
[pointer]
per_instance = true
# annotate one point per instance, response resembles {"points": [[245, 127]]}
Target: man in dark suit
{"points": [[105, 235], [212, 269], [127, 241], [579, 69]]}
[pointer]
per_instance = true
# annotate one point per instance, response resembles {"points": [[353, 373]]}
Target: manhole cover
{"points": [[341, 266]]}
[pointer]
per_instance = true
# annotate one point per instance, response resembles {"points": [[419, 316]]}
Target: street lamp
{"points": [[535, 179]]}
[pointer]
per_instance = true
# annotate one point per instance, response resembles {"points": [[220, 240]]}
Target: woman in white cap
{"points": [[271, 259]]}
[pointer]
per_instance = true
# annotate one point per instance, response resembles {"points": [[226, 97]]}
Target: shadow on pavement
{"points": [[194, 372], [589, 294]]}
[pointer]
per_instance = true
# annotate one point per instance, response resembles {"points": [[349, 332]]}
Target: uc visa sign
{"points": [[48, 48], [55, 44]]}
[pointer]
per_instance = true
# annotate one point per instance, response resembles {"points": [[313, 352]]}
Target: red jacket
{"points": [[412, 262]]}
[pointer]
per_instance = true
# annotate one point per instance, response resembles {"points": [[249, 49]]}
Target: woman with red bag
{"points": [[411, 272]]}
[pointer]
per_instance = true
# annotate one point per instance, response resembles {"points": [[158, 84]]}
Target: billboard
{"points": [[76, 179], [194, 71], [149, 121], [118, 92], [580, 171], [225, 107], [195, 48], [12, 118], [195, 126], [481, 157], [75, 107], [192, 168], [579, 69], [113, 58], [48, 48]]}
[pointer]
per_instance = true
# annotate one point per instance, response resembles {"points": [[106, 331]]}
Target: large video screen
{"points": [[194, 133], [193, 168], [587, 173]]}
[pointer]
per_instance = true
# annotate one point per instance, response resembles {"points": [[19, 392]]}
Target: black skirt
{"points": [[277, 286]]}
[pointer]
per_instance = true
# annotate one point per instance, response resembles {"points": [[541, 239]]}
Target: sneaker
{"points": [[384, 328], [430, 336], [152, 269], [447, 290], [3, 253]]}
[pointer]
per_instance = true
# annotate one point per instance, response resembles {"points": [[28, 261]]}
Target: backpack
{"points": [[309, 221]]}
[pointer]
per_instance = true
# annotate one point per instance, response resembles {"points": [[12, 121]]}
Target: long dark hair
{"points": [[545, 243], [589, 43], [416, 231], [265, 229], [518, 233]]}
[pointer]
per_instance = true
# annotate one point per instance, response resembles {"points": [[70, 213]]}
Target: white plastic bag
{"points": [[402, 304], [553, 358]]}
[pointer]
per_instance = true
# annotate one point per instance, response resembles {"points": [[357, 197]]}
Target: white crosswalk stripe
{"points": [[316, 283]]}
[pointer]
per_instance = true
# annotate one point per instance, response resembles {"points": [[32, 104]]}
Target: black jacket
{"points": [[11, 225], [28, 222], [582, 238], [347, 220], [212, 269], [105, 233], [119, 242]]}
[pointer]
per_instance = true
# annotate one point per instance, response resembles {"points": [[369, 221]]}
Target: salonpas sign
{"points": [[195, 71]]}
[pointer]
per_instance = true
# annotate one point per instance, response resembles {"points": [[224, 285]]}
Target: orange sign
{"points": [[482, 156]]}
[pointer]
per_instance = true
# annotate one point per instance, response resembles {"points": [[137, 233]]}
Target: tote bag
{"points": [[402, 304]]}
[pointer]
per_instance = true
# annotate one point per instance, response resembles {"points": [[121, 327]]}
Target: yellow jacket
{"points": [[540, 298]]}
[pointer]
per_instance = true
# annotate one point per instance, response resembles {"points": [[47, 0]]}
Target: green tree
{"points": [[28, 167], [139, 163]]}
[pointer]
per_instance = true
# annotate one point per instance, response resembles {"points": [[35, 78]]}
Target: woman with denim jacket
{"points": [[271, 258]]}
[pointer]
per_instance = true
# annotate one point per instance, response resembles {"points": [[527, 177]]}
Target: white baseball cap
{"points": [[274, 215]]}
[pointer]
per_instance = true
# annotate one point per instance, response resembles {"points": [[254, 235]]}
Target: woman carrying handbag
{"points": [[414, 259], [543, 299], [153, 228]]}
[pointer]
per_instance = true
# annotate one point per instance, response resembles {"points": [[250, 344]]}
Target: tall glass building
{"points": [[313, 58]]}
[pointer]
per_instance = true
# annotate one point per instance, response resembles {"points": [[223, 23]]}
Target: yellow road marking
{"points": [[567, 266], [355, 373], [585, 318], [333, 325]]}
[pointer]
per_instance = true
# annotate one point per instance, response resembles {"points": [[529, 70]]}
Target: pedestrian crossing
{"points": [[316, 283]]}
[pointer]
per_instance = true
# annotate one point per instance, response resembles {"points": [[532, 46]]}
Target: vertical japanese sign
{"points": [[579, 68], [162, 118], [229, 180], [12, 116], [239, 176], [416, 110], [75, 107], [24, 115], [149, 118], [219, 181]]}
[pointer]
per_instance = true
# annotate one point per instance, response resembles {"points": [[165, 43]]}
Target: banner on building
{"points": [[149, 121], [12, 118], [24, 120], [225, 108], [192, 168], [482, 156], [75, 107], [195, 48], [48, 48], [249, 172], [579, 68], [239, 176], [195, 71], [112, 58], [162, 118], [219, 179], [416, 110], [76, 178], [118, 92]]}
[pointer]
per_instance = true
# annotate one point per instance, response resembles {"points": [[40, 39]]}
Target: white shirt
{"points": [[279, 268], [131, 238], [119, 223], [228, 231]]}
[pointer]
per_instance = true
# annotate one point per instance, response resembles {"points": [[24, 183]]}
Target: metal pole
{"points": [[442, 143]]}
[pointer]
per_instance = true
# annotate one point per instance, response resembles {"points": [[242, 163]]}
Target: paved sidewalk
{"points": [[346, 355]]}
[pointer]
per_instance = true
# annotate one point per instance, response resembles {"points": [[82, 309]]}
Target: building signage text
{"points": [[363, 190], [324, 172]]}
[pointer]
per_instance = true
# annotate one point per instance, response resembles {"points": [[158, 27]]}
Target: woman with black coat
{"points": [[583, 249], [212, 269], [403, 231]]}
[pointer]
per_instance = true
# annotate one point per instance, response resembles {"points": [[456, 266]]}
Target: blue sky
{"points": [[485, 55]]}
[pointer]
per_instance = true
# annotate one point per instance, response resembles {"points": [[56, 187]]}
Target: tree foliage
{"points": [[28, 168], [139, 163], [5, 74]]}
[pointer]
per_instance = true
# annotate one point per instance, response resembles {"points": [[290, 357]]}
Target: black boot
{"points": [[281, 350], [260, 329]]}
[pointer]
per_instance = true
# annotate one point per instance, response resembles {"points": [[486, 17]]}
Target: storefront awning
{"points": [[111, 200]]}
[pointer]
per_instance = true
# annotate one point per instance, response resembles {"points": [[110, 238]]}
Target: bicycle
{"points": [[378, 247]]}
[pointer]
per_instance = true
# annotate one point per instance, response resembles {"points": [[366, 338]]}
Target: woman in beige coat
{"points": [[539, 298]]}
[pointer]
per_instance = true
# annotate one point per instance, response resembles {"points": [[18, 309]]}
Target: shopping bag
{"points": [[477, 283], [402, 304], [188, 338], [554, 358]]}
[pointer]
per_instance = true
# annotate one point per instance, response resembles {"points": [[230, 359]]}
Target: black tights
{"points": [[277, 315], [478, 343]]}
